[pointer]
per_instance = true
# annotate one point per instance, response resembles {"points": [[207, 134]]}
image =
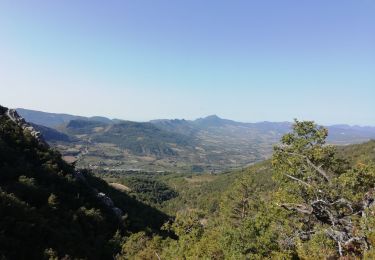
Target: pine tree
{"points": [[317, 185]]}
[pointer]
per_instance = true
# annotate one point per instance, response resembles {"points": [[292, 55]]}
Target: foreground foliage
{"points": [[307, 203], [332, 203]]}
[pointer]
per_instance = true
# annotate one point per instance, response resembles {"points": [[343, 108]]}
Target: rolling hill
{"points": [[54, 119]]}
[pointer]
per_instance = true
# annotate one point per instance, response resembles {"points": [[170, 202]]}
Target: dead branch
{"points": [[318, 169], [296, 179], [305, 209], [311, 164]]}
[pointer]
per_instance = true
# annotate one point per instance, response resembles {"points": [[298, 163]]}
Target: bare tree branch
{"points": [[311, 164], [296, 179], [318, 169], [305, 209]]}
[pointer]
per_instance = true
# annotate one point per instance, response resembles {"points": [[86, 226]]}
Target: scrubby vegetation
{"points": [[149, 190], [142, 138], [84, 127], [359, 153]]}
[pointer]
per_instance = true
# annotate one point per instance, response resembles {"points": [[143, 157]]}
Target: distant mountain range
{"points": [[55, 119], [204, 144]]}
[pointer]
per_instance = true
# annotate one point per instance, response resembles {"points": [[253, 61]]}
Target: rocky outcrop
{"points": [[21, 122], [109, 203]]}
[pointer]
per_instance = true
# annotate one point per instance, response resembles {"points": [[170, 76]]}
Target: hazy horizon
{"points": [[192, 119], [248, 61]]}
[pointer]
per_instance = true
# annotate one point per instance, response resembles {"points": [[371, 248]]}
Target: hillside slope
{"points": [[359, 153], [48, 209]]}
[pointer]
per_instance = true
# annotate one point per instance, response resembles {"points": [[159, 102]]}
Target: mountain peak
{"points": [[214, 120], [213, 117]]}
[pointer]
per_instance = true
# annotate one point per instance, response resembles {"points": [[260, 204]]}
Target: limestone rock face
{"points": [[15, 117], [109, 203], [105, 199]]}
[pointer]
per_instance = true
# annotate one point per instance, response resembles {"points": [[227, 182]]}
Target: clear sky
{"points": [[247, 60]]}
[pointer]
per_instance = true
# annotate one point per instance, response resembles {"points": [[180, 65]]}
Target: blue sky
{"points": [[247, 60]]}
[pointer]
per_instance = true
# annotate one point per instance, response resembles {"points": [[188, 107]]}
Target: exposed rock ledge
{"points": [[107, 201], [20, 121]]}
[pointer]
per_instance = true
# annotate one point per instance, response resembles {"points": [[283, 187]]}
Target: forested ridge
{"points": [[48, 210], [309, 201]]}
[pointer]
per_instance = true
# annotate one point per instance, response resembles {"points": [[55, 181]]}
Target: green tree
{"points": [[250, 223], [316, 185]]}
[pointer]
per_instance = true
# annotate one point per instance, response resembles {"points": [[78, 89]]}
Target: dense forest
{"points": [[309, 201]]}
